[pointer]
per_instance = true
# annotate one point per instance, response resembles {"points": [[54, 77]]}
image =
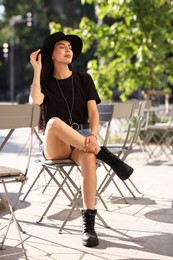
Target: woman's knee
{"points": [[88, 159], [88, 166], [53, 123]]}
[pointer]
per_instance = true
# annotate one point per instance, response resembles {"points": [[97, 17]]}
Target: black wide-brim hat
{"points": [[50, 41]]}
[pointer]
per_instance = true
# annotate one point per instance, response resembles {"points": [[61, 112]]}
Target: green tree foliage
{"points": [[132, 44]]}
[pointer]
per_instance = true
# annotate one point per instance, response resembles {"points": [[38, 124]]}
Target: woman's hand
{"points": [[35, 60], [36, 96], [91, 145]]}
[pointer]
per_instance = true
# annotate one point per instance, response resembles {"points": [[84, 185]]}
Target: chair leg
{"points": [[102, 220], [32, 185], [133, 195], [134, 186], [75, 203], [12, 218], [73, 200], [107, 180], [46, 186], [55, 195], [102, 201]]}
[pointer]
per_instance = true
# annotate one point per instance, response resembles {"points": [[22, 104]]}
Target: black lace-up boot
{"points": [[89, 235], [122, 169]]}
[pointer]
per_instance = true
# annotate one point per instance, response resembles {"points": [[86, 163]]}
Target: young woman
{"points": [[71, 119]]}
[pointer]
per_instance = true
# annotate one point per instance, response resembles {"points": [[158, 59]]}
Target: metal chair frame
{"points": [[161, 145], [126, 111], [13, 117]]}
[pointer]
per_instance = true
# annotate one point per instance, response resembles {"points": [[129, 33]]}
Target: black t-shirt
{"points": [[56, 106]]}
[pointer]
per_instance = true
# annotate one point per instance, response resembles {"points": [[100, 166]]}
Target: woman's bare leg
{"points": [[59, 134], [58, 137], [87, 161]]}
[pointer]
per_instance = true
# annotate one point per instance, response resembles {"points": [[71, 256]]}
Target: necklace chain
{"points": [[72, 105]]}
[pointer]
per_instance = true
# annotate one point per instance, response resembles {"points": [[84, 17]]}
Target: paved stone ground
{"points": [[140, 229]]}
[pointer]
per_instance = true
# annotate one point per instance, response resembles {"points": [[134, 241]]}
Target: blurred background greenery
{"points": [[128, 44]]}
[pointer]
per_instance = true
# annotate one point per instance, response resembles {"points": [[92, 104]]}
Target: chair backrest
{"points": [[105, 117], [105, 112], [145, 113], [13, 117], [140, 120], [123, 110], [123, 118], [141, 112], [18, 116]]}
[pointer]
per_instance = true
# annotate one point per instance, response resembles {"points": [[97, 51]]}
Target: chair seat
{"points": [[9, 172], [160, 126], [63, 162]]}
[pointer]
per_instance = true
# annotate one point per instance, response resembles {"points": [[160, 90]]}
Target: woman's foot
{"points": [[122, 169], [89, 236]]}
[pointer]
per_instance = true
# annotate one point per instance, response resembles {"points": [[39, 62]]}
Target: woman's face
{"points": [[62, 52]]}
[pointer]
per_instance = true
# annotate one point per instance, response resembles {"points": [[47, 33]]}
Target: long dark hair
{"points": [[47, 66], [46, 73]]}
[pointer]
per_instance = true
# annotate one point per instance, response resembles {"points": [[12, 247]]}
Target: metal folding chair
{"points": [[158, 139], [105, 118], [126, 112], [13, 117], [145, 122], [64, 180]]}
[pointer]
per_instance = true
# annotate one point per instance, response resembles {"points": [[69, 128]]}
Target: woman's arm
{"points": [[93, 116], [36, 96]]}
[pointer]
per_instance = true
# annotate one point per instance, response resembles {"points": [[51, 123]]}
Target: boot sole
{"points": [[90, 244]]}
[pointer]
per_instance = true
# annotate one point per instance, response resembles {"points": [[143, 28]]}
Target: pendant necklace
{"points": [[72, 104]]}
